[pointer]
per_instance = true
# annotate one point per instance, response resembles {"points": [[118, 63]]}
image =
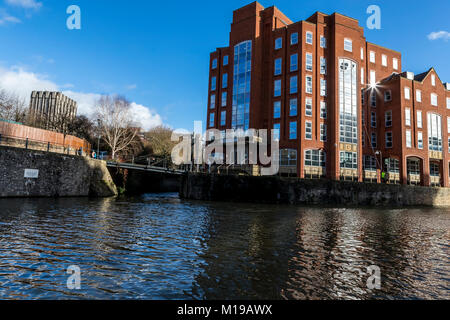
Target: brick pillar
{"points": [[403, 170], [426, 172]]}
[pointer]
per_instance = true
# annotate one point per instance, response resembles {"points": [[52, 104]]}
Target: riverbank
{"points": [[212, 187], [30, 173]]}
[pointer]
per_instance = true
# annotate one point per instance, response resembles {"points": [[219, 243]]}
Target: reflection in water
{"points": [[161, 247]]}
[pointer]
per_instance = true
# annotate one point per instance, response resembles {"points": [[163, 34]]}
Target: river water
{"points": [[161, 247]]}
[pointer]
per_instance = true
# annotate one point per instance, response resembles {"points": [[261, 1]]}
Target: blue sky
{"points": [[157, 52]]}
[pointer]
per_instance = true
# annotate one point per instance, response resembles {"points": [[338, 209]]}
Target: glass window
{"points": [[309, 84], [362, 54], [434, 100], [225, 60], [420, 140], [278, 66], [323, 87], [213, 83], [211, 120], [323, 42], [384, 60], [240, 118], [448, 103], [315, 158], [372, 56], [276, 131], [323, 132], [388, 119], [293, 130], [348, 160], [419, 96], [309, 62], [419, 119], [373, 99], [309, 37], [293, 107], [434, 169], [294, 38], [214, 63], [433, 80], [348, 45], [408, 139], [395, 63], [387, 95], [434, 132], [392, 165], [388, 140], [224, 99], [308, 107], [277, 88], [348, 101], [323, 109], [373, 119], [293, 85], [448, 144], [407, 93], [278, 43], [373, 78], [373, 140], [362, 77], [288, 157], [277, 109], [308, 130], [370, 163], [225, 80], [212, 104], [408, 117], [294, 62], [223, 118], [323, 65]]}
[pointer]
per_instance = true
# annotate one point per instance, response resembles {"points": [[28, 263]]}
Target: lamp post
{"points": [[98, 141]]}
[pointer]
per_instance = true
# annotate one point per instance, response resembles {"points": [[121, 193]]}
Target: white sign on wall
{"points": [[31, 173]]}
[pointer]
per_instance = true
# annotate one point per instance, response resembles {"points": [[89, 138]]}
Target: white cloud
{"points": [[439, 35], [27, 4], [22, 82], [131, 86], [6, 18]]}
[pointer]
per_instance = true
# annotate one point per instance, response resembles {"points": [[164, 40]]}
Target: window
{"points": [[408, 117], [277, 109], [278, 43], [384, 60], [293, 130], [309, 62], [388, 140], [309, 84], [362, 54], [362, 76], [373, 140], [407, 93], [323, 87], [294, 38], [323, 42], [293, 107], [372, 56], [277, 88], [433, 80], [308, 130], [213, 83], [373, 78], [240, 118], [223, 118], [211, 120], [408, 139], [392, 165], [308, 107], [323, 65], [419, 96], [294, 62], [224, 99], [387, 96], [348, 45], [420, 140], [323, 132], [370, 163], [293, 85], [288, 157], [214, 63], [225, 60], [277, 69], [348, 103], [225, 80], [373, 119], [434, 132], [348, 160], [276, 131], [323, 110], [419, 119], [315, 158], [212, 103], [434, 100], [388, 119], [434, 169], [448, 103], [395, 63], [373, 99], [309, 37]]}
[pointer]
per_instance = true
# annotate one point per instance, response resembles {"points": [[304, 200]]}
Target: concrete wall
{"points": [[297, 191], [59, 175]]}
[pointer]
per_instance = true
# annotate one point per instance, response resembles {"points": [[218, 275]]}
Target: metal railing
{"points": [[40, 145]]}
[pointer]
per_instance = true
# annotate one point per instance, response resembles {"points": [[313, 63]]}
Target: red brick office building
{"points": [[326, 92]]}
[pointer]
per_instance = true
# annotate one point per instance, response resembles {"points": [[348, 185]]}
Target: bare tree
{"points": [[160, 140], [116, 123], [12, 107]]}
